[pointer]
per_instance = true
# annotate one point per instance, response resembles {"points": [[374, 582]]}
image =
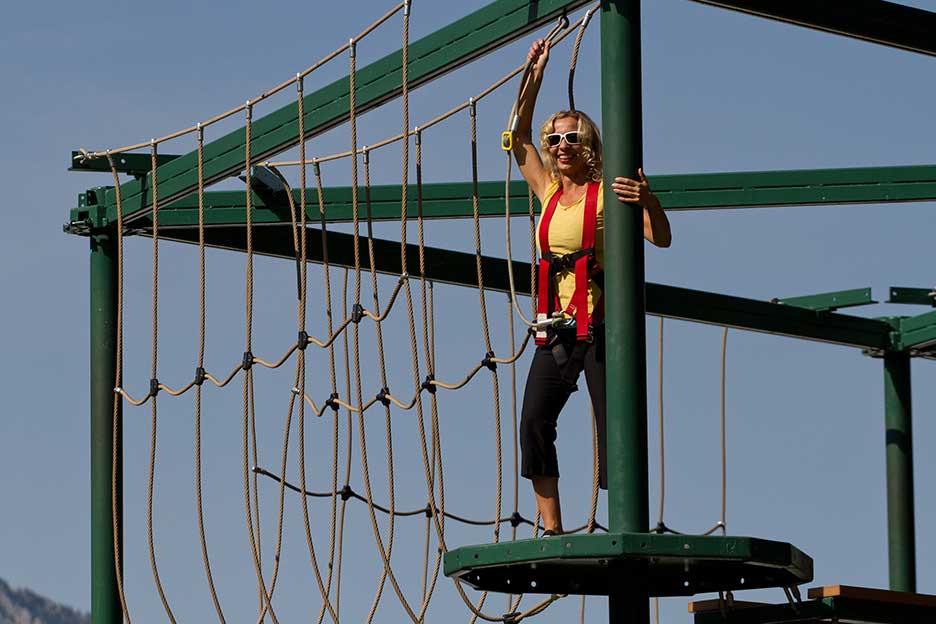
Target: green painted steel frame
{"points": [[464, 40], [452, 267], [828, 302], [913, 296], [677, 192], [877, 21], [853, 610], [676, 565]]}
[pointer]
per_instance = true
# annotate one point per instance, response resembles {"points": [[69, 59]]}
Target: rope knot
{"points": [[199, 376], [515, 519], [383, 395], [303, 340]]}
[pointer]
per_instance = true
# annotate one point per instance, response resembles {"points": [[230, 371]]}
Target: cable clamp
{"points": [[365, 154], [427, 385], [248, 361], [507, 140], [346, 492], [303, 340], [511, 618], [357, 313], [154, 387], [352, 45], [406, 7], [332, 402], [295, 390], [417, 135], [515, 519], [118, 390], [428, 510], [382, 396], [299, 82], [472, 107], [403, 277], [488, 361], [199, 376]]}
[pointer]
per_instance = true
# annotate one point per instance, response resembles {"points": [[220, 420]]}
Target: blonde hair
{"points": [[589, 137]]}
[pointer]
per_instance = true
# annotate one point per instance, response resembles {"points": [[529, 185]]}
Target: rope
{"points": [[201, 366], [575, 52], [722, 522], [155, 344], [86, 155], [432, 459]]}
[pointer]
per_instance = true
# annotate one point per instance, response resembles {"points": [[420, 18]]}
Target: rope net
{"points": [[321, 419]]}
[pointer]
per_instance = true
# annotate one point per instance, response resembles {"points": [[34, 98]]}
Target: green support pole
{"points": [[105, 599], [624, 296], [901, 532]]}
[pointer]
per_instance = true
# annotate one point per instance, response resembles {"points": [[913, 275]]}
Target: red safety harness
{"points": [[583, 261]]}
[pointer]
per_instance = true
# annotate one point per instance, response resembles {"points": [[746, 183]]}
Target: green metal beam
{"points": [[885, 23], [131, 163], [677, 192], [105, 599], [913, 296], [625, 303], [831, 301], [458, 268], [901, 525], [918, 332], [453, 46]]}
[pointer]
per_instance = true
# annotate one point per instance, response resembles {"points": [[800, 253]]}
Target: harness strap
{"points": [[544, 303], [583, 262]]}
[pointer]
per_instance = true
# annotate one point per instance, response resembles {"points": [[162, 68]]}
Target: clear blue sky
{"points": [[722, 92]]}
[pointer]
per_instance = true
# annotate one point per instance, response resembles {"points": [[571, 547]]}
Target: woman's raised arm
{"points": [[525, 149]]}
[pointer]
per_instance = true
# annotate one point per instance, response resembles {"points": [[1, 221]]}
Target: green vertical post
{"points": [[624, 296], [901, 532], [105, 599]]}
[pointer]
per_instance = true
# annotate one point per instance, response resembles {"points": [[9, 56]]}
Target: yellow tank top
{"points": [[565, 237]]}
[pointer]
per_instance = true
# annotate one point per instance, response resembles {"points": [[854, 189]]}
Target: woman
{"points": [[565, 173]]}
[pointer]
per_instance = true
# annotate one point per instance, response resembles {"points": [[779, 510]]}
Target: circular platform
{"points": [[670, 565]]}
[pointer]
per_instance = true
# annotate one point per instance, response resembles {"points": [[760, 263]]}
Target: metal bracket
{"points": [[830, 301]]}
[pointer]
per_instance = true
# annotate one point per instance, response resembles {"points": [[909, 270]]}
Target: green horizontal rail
{"points": [[918, 332], [827, 302], [677, 192], [877, 21], [464, 40], [458, 268], [913, 296]]}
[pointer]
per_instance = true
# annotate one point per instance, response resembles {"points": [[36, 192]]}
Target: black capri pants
{"points": [[546, 394]]}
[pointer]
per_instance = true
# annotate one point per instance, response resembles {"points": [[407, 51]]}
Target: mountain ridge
{"points": [[24, 606]]}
